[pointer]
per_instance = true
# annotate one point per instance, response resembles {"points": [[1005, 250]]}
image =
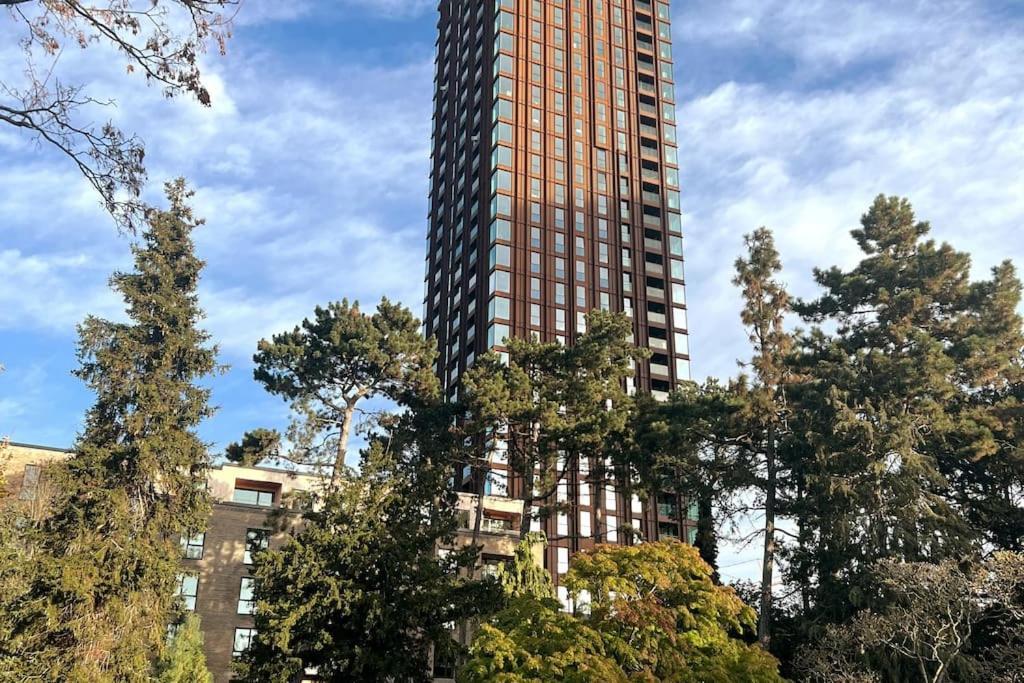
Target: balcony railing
{"points": [[659, 369]]}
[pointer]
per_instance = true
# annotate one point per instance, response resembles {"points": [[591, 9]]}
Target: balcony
{"points": [[668, 510], [650, 174], [645, 87], [657, 368], [653, 245], [656, 293], [649, 109], [653, 268], [658, 318], [657, 344], [649, 131]]}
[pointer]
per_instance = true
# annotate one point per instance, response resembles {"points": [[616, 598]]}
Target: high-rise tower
{"points": [[555, 191]]}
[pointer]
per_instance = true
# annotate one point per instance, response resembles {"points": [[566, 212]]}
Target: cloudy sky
{"points": [[311, 169]]}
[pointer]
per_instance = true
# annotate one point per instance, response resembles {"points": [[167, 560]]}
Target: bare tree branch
{"points": [[160, 38]]}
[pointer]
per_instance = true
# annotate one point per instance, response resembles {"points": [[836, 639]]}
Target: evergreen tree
{"points": [[715, 443], [765, 302], [101, 591], [184, 661], [557, 408], [330, 364], [900, 407], [361, 592]]}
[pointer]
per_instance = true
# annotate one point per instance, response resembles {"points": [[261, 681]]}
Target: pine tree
{"points": [[330, 364], [361, 592], [102, 588], [895, 406], [765, 304], [558, 408], [184, 661]]}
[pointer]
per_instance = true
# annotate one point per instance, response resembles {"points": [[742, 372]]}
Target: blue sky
{"points": [[311, 169]]}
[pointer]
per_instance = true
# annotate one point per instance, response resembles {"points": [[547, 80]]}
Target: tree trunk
{"points": [[768, 560], [339, 458], [598, 474]]}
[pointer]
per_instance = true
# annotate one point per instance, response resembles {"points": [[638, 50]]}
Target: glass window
{"points": [[243, 638], [501, 180], [496, 483], [499, 308], [255, 540], [253, 497], [679, 318], [682, 343], [246, 603], [563, 559], [496, 334], [192, 546], [187, 589], [502, 132], [501, 229], [500, 255], [678, 293], [677, 269], [500, 281], [30, 482]]}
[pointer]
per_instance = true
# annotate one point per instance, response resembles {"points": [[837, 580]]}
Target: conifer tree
{"points": [[184, 661], [765, 302], [329, 365], [558, 408], [360, 592], [901, 406], [101, 592]]}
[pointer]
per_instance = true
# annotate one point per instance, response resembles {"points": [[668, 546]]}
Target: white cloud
{"points": [[945, 128]]}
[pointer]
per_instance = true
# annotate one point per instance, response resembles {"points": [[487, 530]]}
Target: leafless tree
{"points": [[932, 623], [161, 39]]}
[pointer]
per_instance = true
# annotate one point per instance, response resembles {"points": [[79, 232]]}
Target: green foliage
{"points": [[360, 592], [532, 641], [183, 661], [551, 398], [646, 612], [99, 592], [329, 364], [524, 576], [255, 447], [902, 407]]}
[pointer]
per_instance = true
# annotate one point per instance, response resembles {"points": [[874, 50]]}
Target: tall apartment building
{"points": [[555, 191]]}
